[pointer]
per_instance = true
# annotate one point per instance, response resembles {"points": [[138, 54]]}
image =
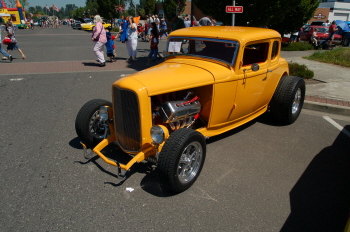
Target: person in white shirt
{"points": [[131, 44]]}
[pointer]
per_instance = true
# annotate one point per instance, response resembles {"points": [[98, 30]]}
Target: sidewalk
{"points": [[332, 93]]}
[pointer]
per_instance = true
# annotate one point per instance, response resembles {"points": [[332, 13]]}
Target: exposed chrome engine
{"points": [[178, 110]]}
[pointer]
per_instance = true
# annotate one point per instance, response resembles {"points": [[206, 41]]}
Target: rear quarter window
{"points": [[255, 53]]}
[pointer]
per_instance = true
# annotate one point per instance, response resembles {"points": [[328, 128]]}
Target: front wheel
{"points": [[346, 42], [288, 99], [88, 124], [181, 160]]}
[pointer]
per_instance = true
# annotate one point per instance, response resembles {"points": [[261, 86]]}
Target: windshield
{"points": [[209, 48]]}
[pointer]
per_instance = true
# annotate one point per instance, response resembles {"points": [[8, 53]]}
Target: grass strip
{"points": [[338, 56]]}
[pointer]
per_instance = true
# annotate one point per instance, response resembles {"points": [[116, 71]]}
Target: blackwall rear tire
{"points": [[181, 160], [87, 122], [288, 99]]}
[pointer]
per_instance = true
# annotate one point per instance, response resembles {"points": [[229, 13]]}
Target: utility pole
{"points": [[233, 15]]}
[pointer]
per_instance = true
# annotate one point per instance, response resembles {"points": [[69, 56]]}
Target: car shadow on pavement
{"points": [[75, 143], [320, 200]]}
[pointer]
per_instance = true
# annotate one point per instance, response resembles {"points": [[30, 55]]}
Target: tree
{"points": [[259, 13], [106, 8], [150, 6], [173, 7], [294, 20], [131, 10]]}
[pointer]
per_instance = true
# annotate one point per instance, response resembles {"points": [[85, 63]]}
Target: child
{"points": [[140, 31], [314, 36], [110, 46], [154, 43]]}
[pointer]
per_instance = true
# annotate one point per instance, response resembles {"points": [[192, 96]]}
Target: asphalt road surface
{"points": [[259, 177]]}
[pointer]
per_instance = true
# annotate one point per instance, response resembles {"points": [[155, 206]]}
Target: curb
{"points": [[328, 108]]}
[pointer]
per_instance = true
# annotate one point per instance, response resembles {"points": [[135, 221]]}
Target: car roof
{"points": [[241, 34]]}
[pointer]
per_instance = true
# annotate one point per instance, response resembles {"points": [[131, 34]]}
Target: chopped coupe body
{"points": [[214, 79]]}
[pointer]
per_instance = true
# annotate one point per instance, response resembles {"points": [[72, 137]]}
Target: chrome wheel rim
{"points": [[97, 127], [296, 101], [190, 162]]}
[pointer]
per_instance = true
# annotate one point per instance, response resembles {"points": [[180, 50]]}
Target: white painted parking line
{"points": [[339, 127], [16, 79]]}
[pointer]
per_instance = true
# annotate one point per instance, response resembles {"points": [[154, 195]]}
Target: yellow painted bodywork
{"points": [[90, 26], [230, 95]]}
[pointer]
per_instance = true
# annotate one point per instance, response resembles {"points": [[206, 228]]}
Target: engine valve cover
{"points": [[173, 111]]}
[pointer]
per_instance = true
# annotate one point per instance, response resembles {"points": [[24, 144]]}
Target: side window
{"points": [[275, 49], [255, 53]]}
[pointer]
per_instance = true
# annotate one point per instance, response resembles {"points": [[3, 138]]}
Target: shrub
{"points": [[300, 70], [297, 46]]}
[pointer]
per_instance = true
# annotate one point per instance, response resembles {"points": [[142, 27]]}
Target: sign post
{"points": [[234, 9]]}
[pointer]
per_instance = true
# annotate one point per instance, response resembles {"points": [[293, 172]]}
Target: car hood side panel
{"points": [[169, 77], [173, 76]]}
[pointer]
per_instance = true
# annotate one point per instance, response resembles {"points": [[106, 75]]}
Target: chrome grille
{"points": [[127, 119]]}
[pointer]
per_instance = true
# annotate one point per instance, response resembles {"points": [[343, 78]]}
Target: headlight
{"points": [[103, 112], [157, 134]]}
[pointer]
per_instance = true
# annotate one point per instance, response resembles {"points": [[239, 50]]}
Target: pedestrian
{"points": [[150, 19], [331, 30], [154, 43], [314, 37], [176, 23], [294, 37], [110, 47], [6, 55], [124, 30], [326, 24], [157, 21], [140, 30], [32, 24], [163, 28], [146, 30], [187, 22], [205, 21], [11, 34], [131, 43], [99, 37]]}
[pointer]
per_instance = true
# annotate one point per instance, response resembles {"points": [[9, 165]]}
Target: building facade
{"points": [[332, 10]]}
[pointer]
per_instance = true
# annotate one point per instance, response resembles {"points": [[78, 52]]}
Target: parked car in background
{"points": [[213, 79], [90, 26], [322, 34], [79, 21], [317, 23]]}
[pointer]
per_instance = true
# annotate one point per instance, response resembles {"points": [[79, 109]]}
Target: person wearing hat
{"points": [[163, 28]]}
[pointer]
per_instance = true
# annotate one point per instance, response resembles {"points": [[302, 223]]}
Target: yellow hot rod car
{"points": [[213, 79], [90, 26]]}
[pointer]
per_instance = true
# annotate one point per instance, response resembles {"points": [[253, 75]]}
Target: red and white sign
{"points": [[234, 9]]}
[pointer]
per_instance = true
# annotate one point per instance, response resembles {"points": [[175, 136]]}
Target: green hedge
{"points": [[297, 46], [300, 70]]}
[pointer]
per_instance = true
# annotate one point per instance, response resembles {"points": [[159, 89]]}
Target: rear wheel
{"points": [[346, 42], [181, 160], [88, 125], [288, 99]]}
